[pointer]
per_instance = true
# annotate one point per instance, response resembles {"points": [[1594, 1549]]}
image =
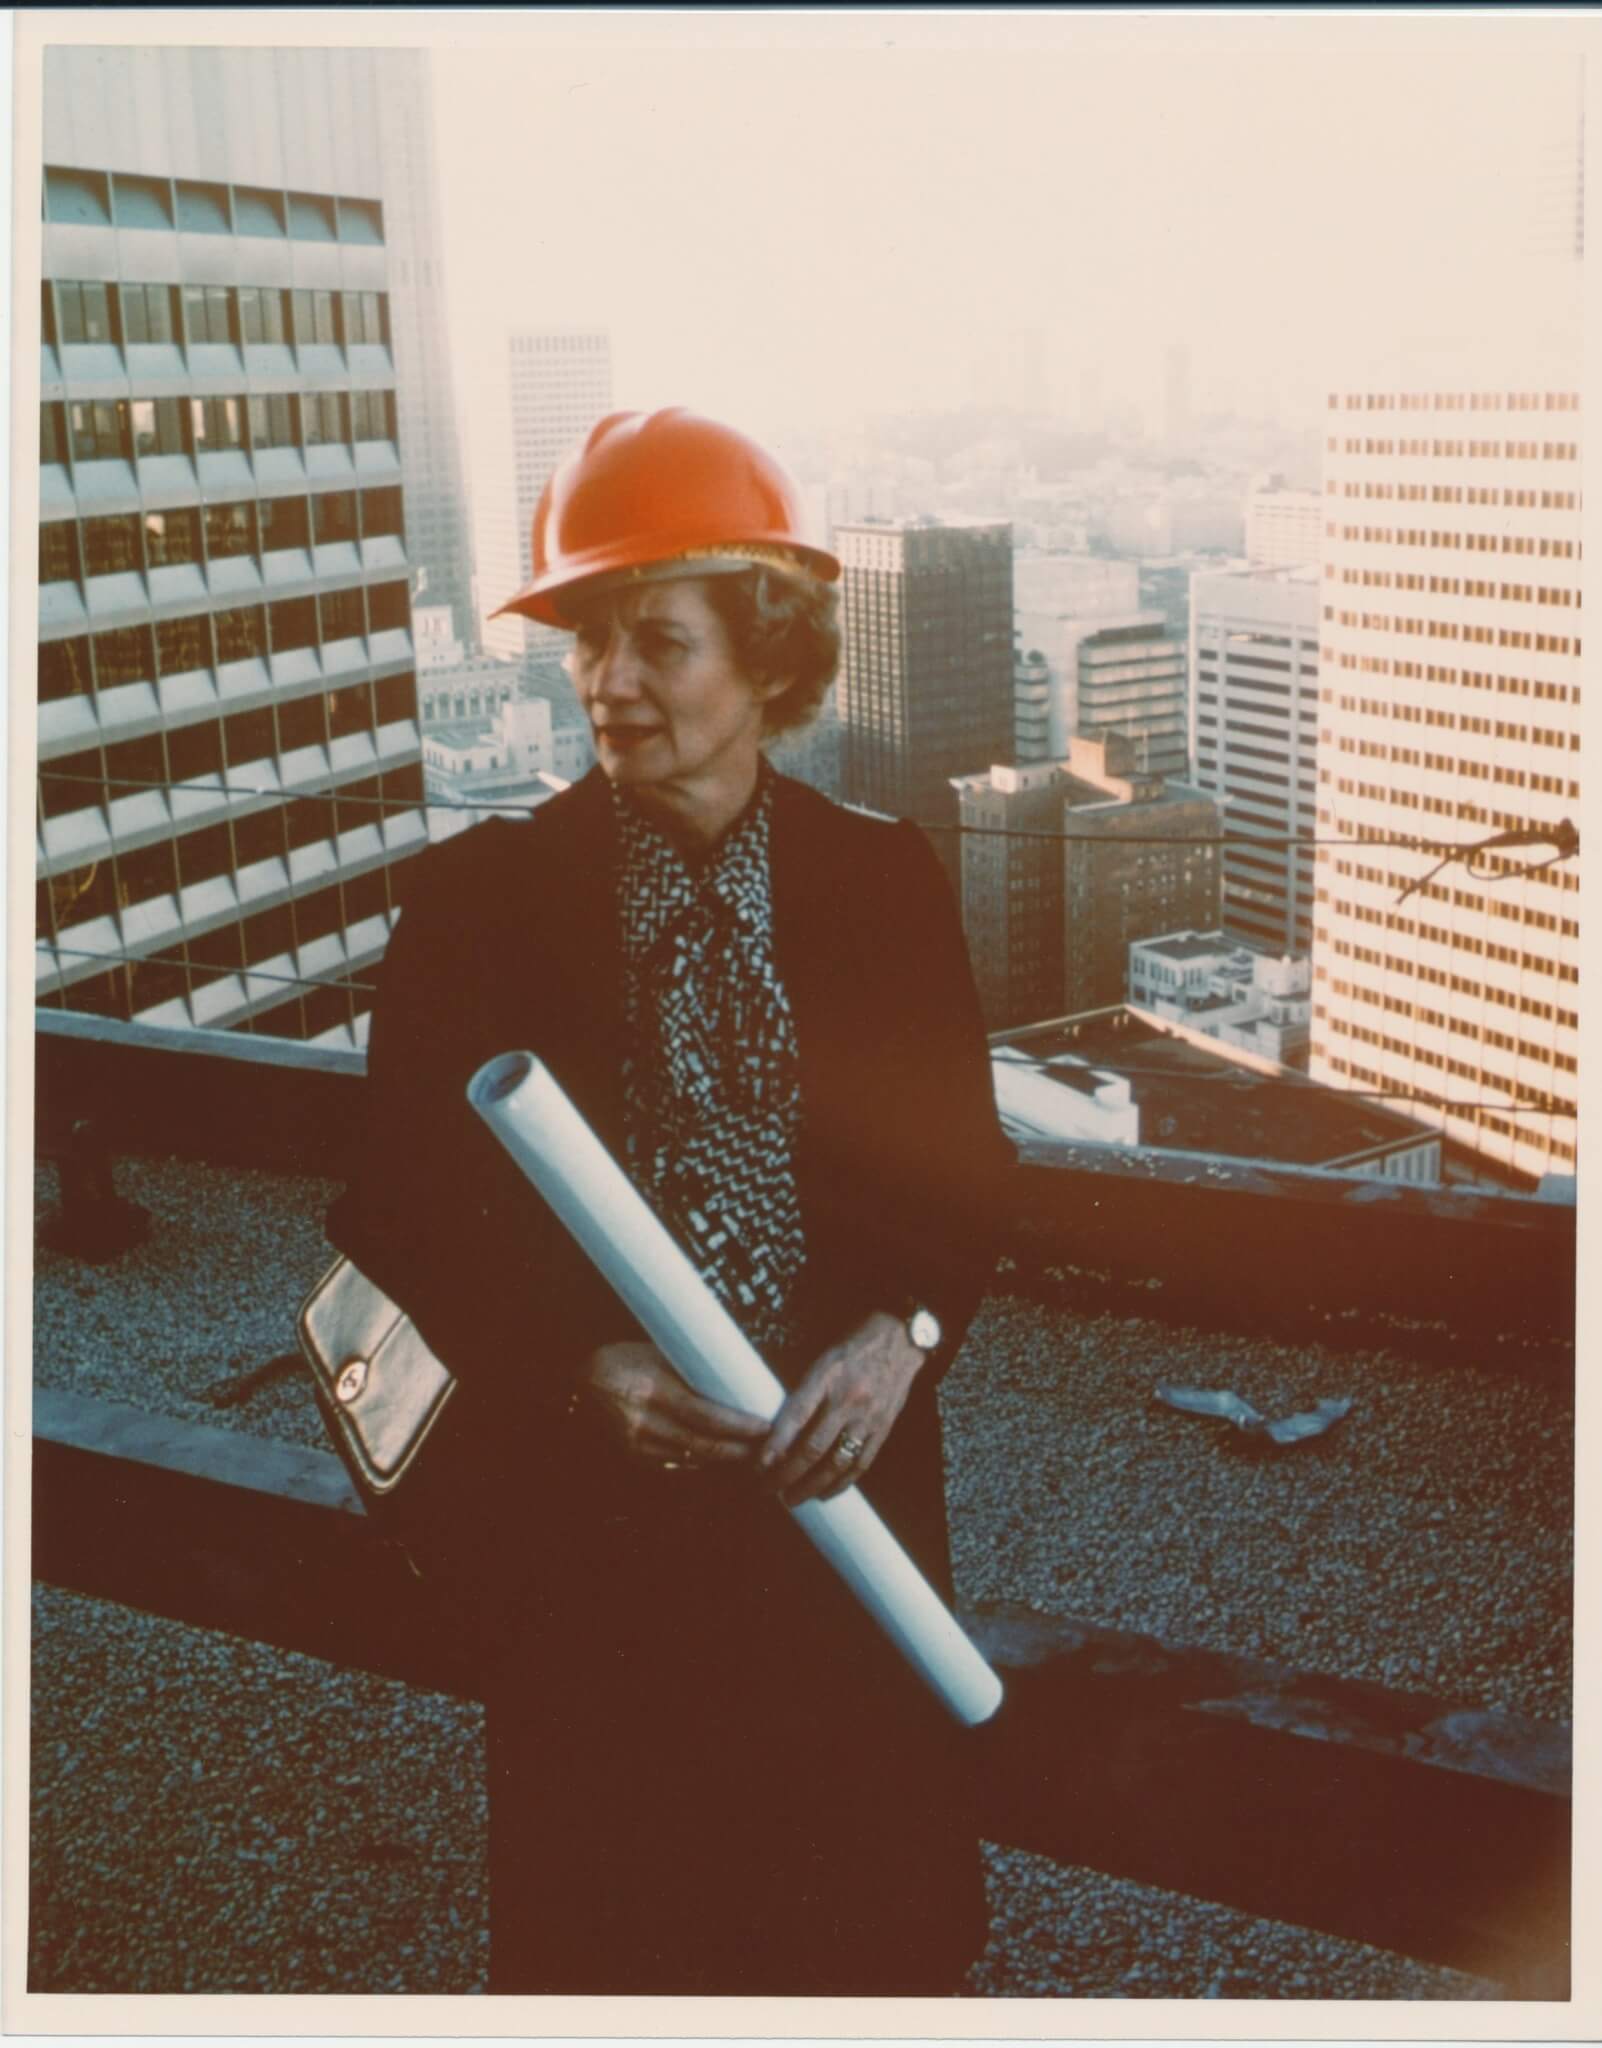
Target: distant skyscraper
{"points": [[438, 529], [1054, 595], [1254, 740], [925, 687], [229, 758], [1284, 529], [1450, 711], [559, 383]]}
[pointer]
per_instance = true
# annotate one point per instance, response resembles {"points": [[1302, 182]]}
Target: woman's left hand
{"points": [[852, 1395]]}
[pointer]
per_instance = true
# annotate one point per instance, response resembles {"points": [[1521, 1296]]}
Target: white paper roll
{"points": [[529, 1112]]}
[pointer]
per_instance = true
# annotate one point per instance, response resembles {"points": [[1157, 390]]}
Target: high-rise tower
{"points": [[1449, 711], [926, 683], [559, 383], [229, 760]]}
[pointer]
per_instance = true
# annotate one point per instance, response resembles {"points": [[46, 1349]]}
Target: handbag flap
{"points": [[380, 1385]]}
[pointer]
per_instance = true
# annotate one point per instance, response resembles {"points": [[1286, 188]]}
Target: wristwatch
{"points": [[922, 1326]]}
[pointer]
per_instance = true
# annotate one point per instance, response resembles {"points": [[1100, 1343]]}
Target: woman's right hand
{"points": [[652, 1415]]}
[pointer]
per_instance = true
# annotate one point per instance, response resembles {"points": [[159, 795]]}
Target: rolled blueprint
{"points": [[529, 1112]]}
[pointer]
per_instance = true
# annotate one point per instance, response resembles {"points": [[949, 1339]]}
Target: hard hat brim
{"points": [[545, 599]]}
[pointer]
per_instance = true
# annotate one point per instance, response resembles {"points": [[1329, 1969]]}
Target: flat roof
{"points": [[1193, 1098], [1187, 946]]}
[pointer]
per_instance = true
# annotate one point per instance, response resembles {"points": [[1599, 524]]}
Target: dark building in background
{"points": [[1136, 864], [926, 678], [1012, 878], [229, 757]]}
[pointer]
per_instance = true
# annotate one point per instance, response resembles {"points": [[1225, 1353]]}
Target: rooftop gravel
{"points": [[204, 1805]]}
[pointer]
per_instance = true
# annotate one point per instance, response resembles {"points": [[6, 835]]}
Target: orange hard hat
{"points": [[648, 490]]}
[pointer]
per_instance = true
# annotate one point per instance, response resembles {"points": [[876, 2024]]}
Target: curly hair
{"points": [[781, 625]]}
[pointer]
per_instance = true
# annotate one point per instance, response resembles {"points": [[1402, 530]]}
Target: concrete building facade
{"points": [[1012, 888], [1284, 528], [1054, 595], [1450, 712], [1260, 1002], [1125, 677], [229, 756], [1254, 743]]}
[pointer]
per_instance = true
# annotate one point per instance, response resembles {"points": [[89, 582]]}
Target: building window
{"points": [[98, 430], [335, 515], [372, 416], [350, 711], [147, 313], [396, 697], [58, 552], [382, 512], [388, 608], [83, 312], [123, 657], [216, 424], [248, 736], [311, 218], [342, 614], [111, 546], [52, 434], [241, 635], [158, 426], [293, 624], [272, 421], [183, 645], [261, 314], [314, 318], [171, 538], [72, 782], [63, 669], [301, 724], [364, 320], [206, 313], [323, 417], [284, 524], [230, 530]]}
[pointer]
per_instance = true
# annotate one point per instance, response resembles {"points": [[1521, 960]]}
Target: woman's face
{"points": [[667, 704]]}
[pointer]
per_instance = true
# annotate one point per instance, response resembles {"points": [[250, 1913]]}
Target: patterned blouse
{"points": [[712, 1078]]}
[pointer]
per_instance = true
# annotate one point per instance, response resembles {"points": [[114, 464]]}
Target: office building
{"points": [[1254, 743], [1012, 882], [1284, 528], [229, 757], [558, 384], [1139, 858], [1054, 595], [1101, 678], [926, 685], [439, 538], [1450, 712]]}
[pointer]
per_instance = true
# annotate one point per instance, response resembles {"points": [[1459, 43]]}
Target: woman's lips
{"points": [[625, 736]]}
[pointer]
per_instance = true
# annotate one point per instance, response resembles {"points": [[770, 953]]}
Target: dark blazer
{"points": [[508, 939]]}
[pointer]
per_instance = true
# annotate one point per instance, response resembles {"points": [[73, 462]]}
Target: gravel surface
{"points": [[210, 1296], [208, 1814], [1425, 1542]]}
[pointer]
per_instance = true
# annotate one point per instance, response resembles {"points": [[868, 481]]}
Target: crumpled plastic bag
{"points": [[1287, 1429]]}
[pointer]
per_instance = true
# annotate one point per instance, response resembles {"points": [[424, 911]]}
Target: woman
{"points": [[709, 1771]]}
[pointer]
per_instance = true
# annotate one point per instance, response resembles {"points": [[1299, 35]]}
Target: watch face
{"points": [[924, 1329]]}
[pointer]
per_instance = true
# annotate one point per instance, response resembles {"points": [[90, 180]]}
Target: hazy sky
{"points": [[777, 232]]}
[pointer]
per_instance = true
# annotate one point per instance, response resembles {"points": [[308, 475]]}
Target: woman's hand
{"points": [[652, 1415], [852, 1395]]}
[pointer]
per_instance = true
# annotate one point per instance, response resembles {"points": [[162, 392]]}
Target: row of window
{"points": [[1459, 586], [131, 315], [1451, 629], [1507, 543], [1459, 401], [1507, 1127], [1513, 451], [1457, 984], [1457, 494], [1467, 678], [1458, 1026], [97, 776], [121, 429], [1439, 892], [83, 198], [205, 640], [72, 550]]}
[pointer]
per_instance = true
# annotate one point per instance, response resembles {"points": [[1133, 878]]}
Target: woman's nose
{"points": [[615, 671]]}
